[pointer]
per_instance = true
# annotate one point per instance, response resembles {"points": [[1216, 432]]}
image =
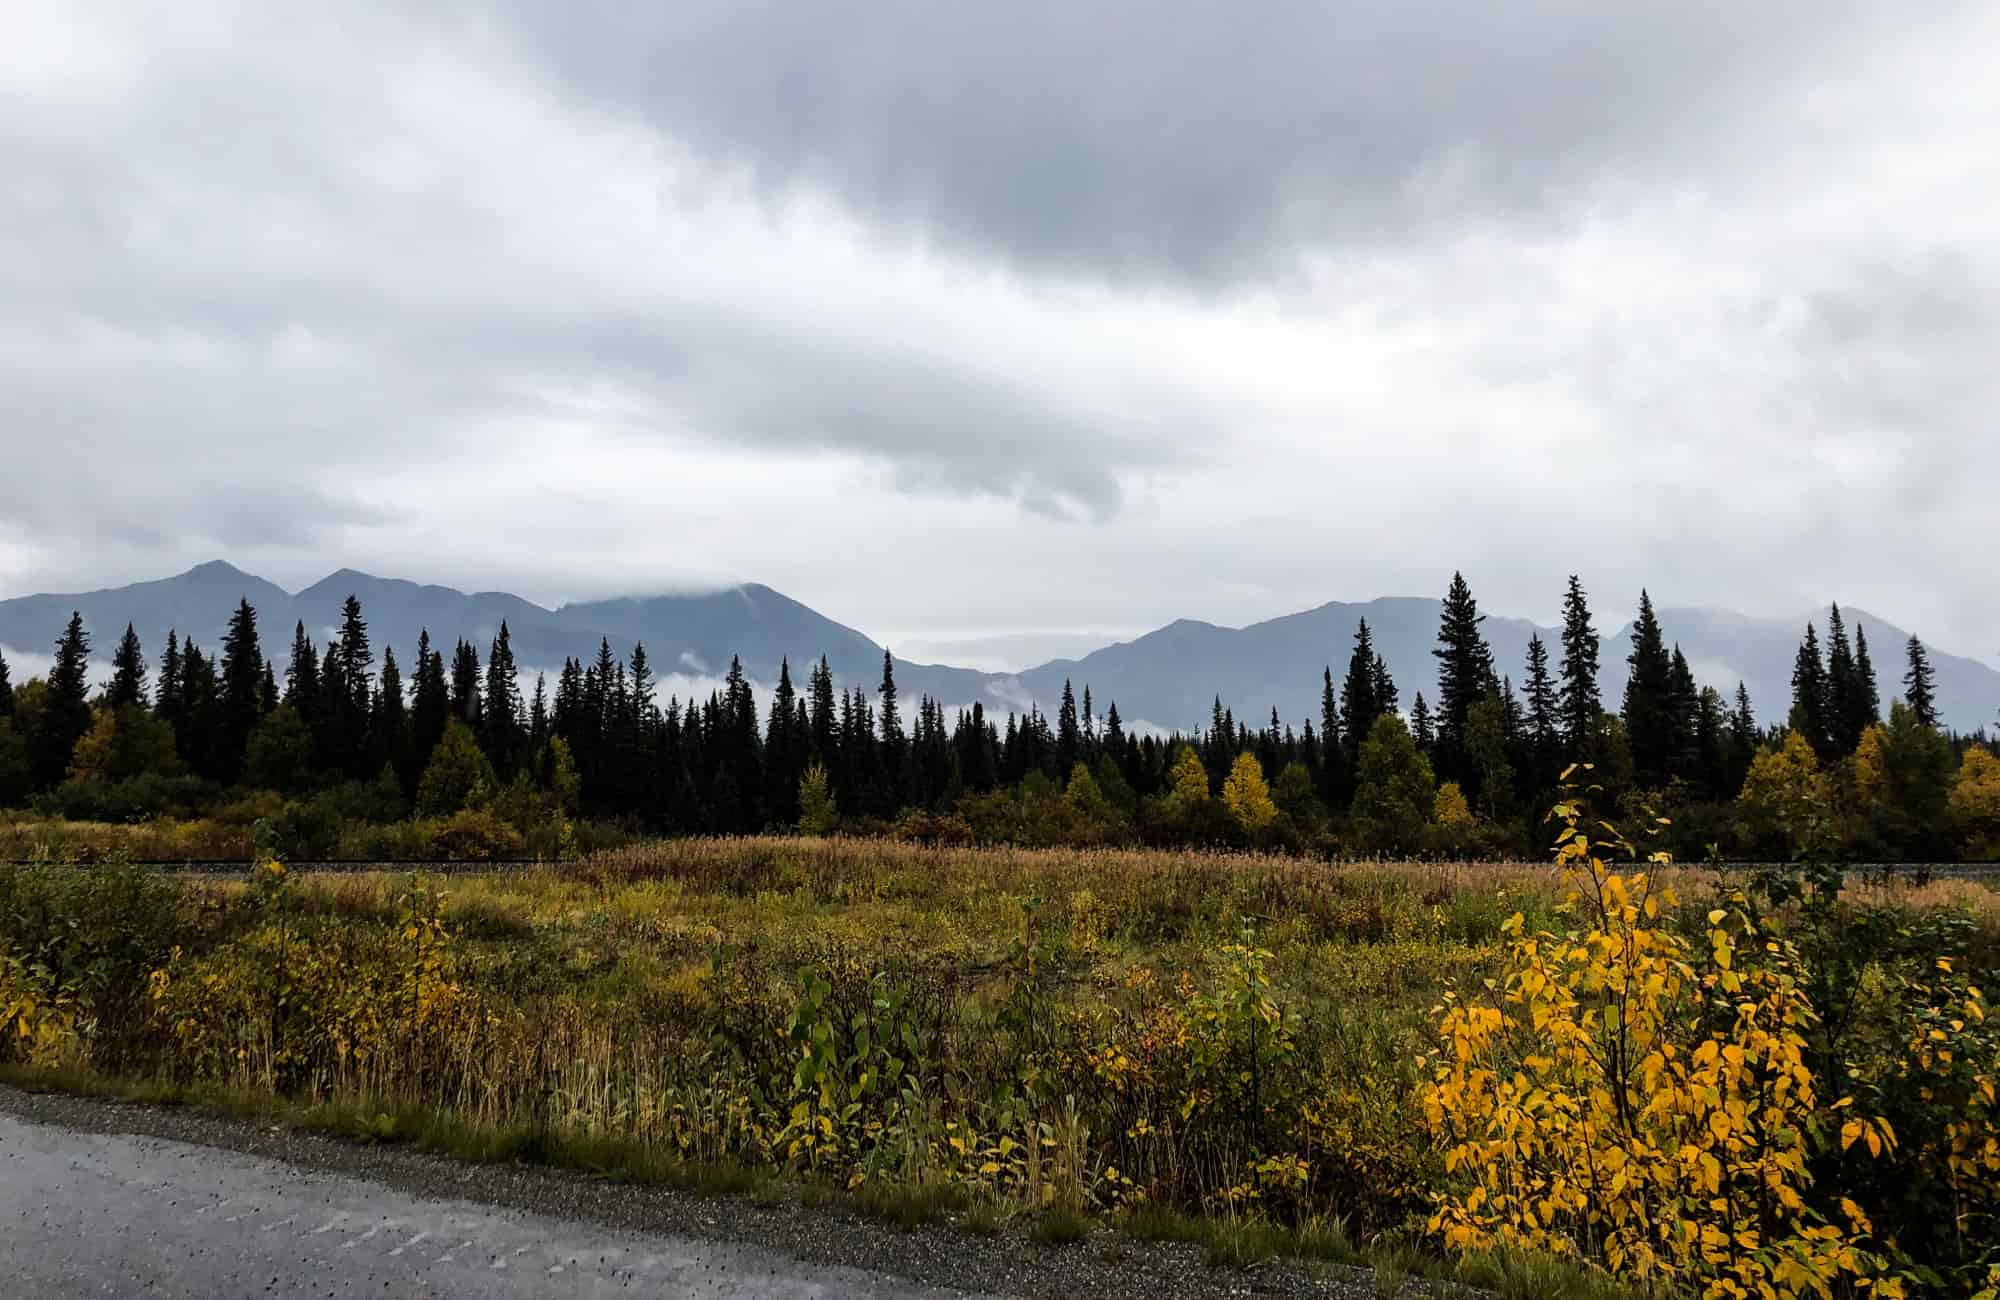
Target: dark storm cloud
{"points": [[1196, 141]]}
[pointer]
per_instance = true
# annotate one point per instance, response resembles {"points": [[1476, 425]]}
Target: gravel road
{"points": [[100, 1199]]}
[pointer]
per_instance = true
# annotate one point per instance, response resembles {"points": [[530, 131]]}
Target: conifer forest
{"points": [[341, 755]]}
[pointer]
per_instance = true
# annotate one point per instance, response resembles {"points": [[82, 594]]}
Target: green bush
{"points": [[473, 835]]}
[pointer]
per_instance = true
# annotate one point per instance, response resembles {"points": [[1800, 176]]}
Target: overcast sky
{"points": [[1012, 323]]}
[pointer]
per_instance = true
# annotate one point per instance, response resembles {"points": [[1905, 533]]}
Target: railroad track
{"points": [[324, 866], [1980, 871]]}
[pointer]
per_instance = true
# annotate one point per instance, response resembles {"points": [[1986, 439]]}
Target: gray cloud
{"points": [[956, 321], [1203, 140]]}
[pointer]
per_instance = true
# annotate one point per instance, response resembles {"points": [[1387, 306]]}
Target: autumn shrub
{"points": [[933, 829], [476, 835], [1625, 1094], [85, 940]]}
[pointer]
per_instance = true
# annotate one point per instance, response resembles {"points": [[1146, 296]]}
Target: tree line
{"points": [[1464, 773]]}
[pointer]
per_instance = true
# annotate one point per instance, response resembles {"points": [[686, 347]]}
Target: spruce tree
{"points": [[1712, 744], [357, 660], [893, 741], [1543, 722], [500, 708], [1865, 701], [356, 701], [302, 689], [1809, 691], [1578, 704], [538, 717], [1465, 676], [1386, 698], [1649, 702], [465, 701], [1685, 701], [738, 761], [242, 692], [1920, 685], [128, 673], [330, 715], [6, 690], [1360, 704], [1334, 787], [67, 714], [1422, 727], [390, 723], [1842, 687], [267, 691], [784, 749], [1069, 738], [430, 705], [822, 714], [171, 702], [201, 708]]}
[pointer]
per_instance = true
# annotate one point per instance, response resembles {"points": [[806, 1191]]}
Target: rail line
{"points": [[1979, 871]]}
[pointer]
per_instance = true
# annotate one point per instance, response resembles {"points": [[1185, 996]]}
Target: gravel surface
{"points": [[83, 1214]]}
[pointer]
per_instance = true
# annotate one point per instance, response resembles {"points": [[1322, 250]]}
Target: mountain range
{"points": [[1167, 678]]}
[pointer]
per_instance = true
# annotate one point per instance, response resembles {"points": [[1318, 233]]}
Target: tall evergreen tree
{"points": [[1360, 700], [893, 741], [242, 691], [357, 660], [302, 690], [1864, 702], [1069, 738], [171, 702], [1809, 692], [128, 673], [1743, 723], [1649, 698], [1465, 676], [200, 707], [430, 705], [1386, 698], [1423, 728], [823, 716], [390, 724], [1920, 685], [1332, 771], [785, 756], [1685, 761], [1712, 744], [538, 717], [357, 663], [465, 701], [1578, 704], [6, 690], [333, 727], [500, 709], [1842, 687], [67, 714], [1544, 725]]}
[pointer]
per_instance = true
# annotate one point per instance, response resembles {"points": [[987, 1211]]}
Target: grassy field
{"points": [[1171, 1040]]}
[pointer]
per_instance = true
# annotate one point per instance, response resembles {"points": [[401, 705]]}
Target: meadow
{"points": [[1256, 1051]]}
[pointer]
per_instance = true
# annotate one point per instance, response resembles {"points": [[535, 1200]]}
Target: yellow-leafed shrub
{"points": [[1627, 1096]]}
